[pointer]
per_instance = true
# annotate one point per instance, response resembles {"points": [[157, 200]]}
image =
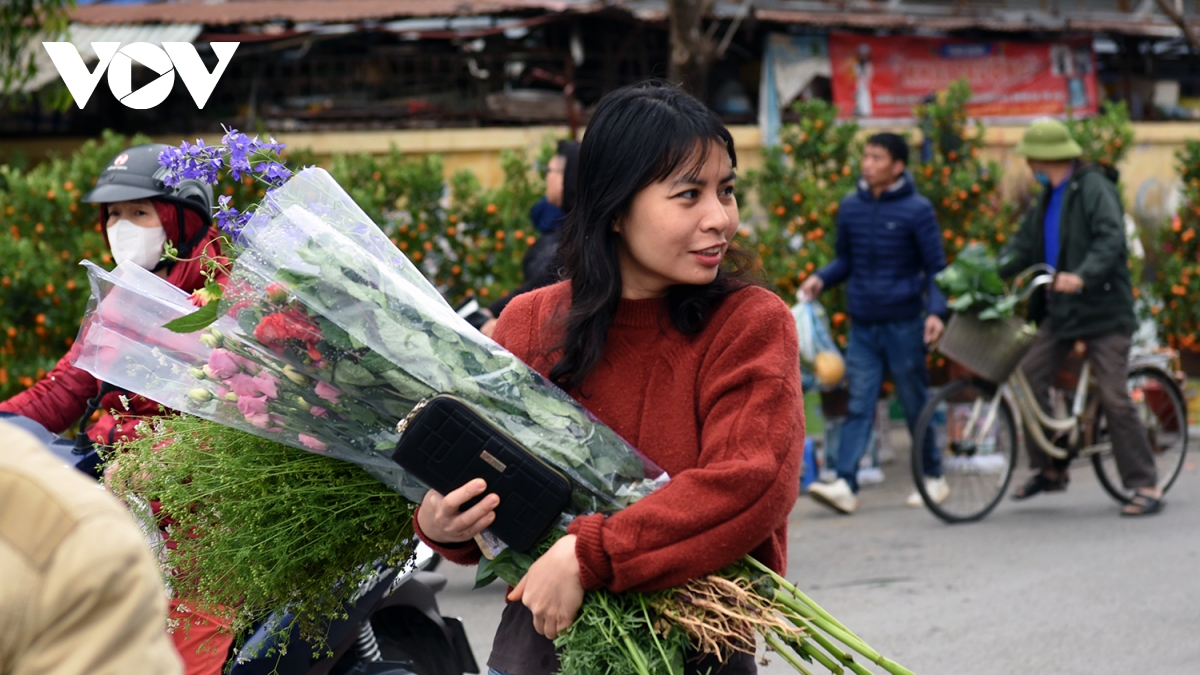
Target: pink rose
{"points": [[246, 364], [223, 363], [267, 384], [244, 385], [259, 421], [318, 411], [252, 405], [311, 443], [327, 392]]}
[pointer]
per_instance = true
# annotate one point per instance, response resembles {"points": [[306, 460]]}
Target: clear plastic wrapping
{"points": [[328, 336]]}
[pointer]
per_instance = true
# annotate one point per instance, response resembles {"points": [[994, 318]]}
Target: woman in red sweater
{"points": [[656, 333]]}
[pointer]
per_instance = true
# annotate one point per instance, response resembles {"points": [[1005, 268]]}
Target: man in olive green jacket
{"points": [[1077, 227], [80, 593]]}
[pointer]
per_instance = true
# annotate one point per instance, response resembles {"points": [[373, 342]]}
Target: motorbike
{"points": [[391, 625]]}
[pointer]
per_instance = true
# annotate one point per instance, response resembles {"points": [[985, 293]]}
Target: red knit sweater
{"points": [[720, 411]]}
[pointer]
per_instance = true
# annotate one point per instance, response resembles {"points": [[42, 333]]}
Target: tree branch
{"points": [[1168, 8]]}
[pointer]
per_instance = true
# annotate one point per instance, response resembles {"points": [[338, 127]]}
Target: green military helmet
{"points": [[1048, 140]]}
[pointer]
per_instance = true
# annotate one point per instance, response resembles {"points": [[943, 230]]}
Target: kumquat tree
{"points": [[800, 186]]}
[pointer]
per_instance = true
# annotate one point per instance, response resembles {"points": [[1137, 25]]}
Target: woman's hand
{"points": [[441, 520], [552, 589]]}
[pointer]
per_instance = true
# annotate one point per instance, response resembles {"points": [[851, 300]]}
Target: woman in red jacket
{"points": [[666, 344], [139, 216]]}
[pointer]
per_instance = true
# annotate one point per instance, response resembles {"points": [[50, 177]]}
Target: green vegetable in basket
{"points": [[973, 284]]}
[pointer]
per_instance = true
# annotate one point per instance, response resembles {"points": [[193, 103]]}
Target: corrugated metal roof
{"points": [[232, 12], [1012, 16], [83, 36], [1082, 22]]}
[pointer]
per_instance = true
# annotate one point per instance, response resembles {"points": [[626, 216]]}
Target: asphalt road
{"points": [[1058, 585]]}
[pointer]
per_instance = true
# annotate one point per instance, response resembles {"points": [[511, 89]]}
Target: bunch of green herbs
{"points": [[258, 526], [973, 285]]}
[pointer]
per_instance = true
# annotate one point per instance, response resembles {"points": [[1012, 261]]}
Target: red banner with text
{"points": [[888, 76]]}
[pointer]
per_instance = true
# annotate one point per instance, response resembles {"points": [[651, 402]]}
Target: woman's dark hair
{"points": [[570, 152], [638, 135]]}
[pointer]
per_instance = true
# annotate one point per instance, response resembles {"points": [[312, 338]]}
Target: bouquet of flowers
{"points": [[325, 337]]}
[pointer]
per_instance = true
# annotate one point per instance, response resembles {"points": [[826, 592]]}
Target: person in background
{"points": [[80, 593], [139, 216], [1077, 227], [541, 262], [658, 334], [889, 247]]}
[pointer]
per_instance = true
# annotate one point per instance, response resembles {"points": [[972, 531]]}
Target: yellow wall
{"points": [[1151, 158]]}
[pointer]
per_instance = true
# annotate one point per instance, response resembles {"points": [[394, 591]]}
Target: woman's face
{"points": [[140, 212], [554, 179], [677, 230]]}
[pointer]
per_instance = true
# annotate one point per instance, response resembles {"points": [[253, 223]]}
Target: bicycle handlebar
{"points": [[1046, 277], [1038, 281]]}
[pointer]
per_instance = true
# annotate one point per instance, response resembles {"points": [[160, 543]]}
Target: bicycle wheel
{"points": [[977, 466], [1161, 410]]}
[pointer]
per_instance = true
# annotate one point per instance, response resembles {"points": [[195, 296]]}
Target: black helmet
{"points": [[136, 174]]}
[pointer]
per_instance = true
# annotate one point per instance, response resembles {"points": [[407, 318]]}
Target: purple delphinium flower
{"points": [[229, 219], [192, 162], [275, 173], [240, 147]]}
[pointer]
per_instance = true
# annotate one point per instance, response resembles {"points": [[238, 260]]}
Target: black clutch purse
{"points": [[445, 444]]}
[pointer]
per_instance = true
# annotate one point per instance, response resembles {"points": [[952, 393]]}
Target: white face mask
{"points": [[142, 246]]}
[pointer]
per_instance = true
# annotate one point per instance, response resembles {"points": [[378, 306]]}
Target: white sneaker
{"points": [[937, 489], [836, 495]]}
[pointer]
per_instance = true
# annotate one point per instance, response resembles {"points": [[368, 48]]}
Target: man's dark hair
{"points": [[895, 145]]}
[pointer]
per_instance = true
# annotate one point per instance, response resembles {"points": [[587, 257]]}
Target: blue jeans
{"points": [[899, 348]]}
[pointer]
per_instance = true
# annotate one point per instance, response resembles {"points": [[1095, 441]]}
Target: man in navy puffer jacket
{"points": [[889, 247]]}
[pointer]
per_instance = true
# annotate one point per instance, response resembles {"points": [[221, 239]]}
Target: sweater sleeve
{"points": [[933, 257], [839, 270], [747, 477], [58, 400]]}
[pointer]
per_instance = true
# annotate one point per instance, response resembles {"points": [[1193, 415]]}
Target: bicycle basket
{"points": [[990, 349]]}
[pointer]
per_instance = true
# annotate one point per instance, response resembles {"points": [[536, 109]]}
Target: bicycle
{"points": [[985, 413]]}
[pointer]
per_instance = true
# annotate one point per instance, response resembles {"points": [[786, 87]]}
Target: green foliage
{"points": [[1176, 284], [44, 232], [618, 634], [22, 24], [489, 231], [263, 521], [800, 186], [1105, 138], [973, 284], [962, 187]]}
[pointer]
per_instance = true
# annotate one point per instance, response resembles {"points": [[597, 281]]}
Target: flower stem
{"points": [[774, 643]]}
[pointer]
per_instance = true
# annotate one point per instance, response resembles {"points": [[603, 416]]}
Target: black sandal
{"points": [[1040, 483], [1142, 505]]}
